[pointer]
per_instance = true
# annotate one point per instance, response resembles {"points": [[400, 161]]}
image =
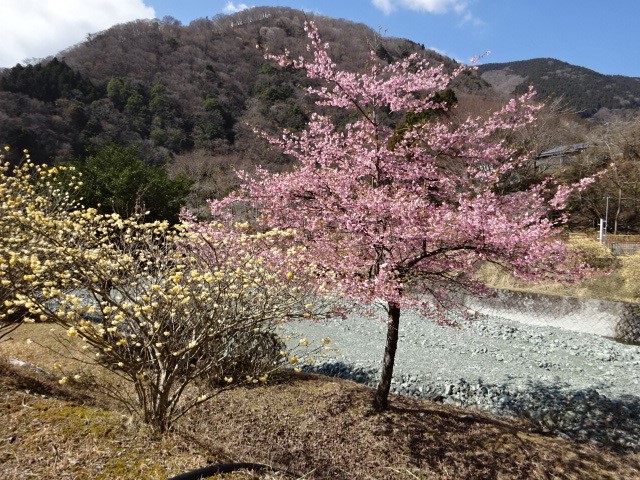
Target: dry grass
{"points": [[325, 428], [50, 432], [318, 427], [611, 286], [616, 278]]}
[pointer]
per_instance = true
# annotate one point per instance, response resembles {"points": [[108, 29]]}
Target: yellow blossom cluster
{"points": [[31, 195]]}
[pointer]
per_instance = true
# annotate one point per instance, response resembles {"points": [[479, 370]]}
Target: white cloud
{"points": [[429, 6], [40, 28], [231, 7]]}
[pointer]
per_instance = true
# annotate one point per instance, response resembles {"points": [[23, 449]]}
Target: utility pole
{"points": [[603, 223], [606, 216]]}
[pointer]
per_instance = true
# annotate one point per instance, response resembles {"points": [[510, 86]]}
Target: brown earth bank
{"points": [[314, 426]]}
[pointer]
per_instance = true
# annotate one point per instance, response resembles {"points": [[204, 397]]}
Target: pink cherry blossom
{"points": [[406, 221]]}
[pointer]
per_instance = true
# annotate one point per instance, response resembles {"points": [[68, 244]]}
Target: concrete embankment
{"points": [[618, 320]]}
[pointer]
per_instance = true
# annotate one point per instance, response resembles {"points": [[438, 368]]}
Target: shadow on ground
{"points": [[584, 415]]}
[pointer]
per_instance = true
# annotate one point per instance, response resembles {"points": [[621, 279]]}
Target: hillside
{"points": [[188, 97], [192, 93], [579, 89], [312, 426]]}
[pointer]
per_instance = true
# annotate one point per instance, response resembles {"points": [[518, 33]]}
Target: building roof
{"points": [[563, 150]]}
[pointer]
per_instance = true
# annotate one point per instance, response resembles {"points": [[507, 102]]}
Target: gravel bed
{"points": [[576, 385]]}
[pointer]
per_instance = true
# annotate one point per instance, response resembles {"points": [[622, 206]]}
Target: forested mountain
{"points": [[192, 93], [188, 97], [579, 89]]}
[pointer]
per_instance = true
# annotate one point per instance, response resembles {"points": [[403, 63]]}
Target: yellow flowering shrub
{"points": [[26, 188], [180, 313]]}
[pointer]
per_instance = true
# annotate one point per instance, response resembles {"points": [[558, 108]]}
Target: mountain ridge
{"points": [[189, 98], [581, 89], [172, 88], [191, 95]]}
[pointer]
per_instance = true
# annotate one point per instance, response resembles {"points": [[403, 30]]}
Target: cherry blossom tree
{"points": [[401, 204]]}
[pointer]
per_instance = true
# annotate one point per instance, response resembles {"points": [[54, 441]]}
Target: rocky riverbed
{"points": [[577, 385]]}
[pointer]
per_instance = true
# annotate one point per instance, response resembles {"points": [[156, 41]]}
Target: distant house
{"points": [[559, 156]]}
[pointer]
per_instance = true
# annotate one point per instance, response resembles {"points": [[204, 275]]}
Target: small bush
{"points": [[592, 252], [247, 354]]}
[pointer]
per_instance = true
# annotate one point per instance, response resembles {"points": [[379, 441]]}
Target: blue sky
{"points": [[601, 35]]}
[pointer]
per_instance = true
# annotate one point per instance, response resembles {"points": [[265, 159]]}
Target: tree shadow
{"points": [[364, 375], [583, 415], [579, 414]]}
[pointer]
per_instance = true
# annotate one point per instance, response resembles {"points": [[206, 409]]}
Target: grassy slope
{"points": [[606, 286], [315, 426]]}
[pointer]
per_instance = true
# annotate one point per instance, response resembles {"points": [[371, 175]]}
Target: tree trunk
{"points": [[381, 399]]}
